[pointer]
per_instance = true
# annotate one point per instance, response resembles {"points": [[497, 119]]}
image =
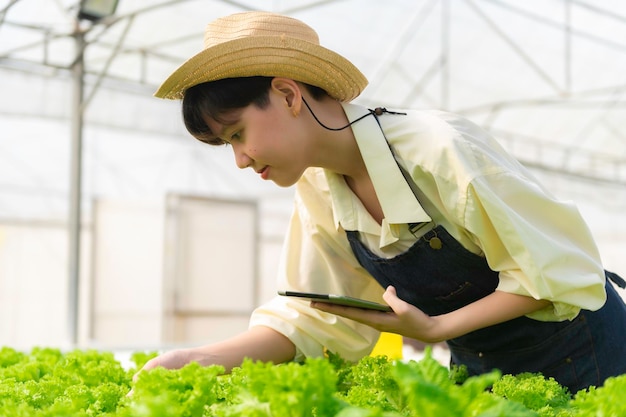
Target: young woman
{"points": [[420, 209]]}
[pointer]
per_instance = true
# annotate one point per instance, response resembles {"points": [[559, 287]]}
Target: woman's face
{"points": [[271, 141]]}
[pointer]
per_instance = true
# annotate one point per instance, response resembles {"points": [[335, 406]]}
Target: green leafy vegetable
{"points": [[605, 401], [88, 383], [536, 392]]}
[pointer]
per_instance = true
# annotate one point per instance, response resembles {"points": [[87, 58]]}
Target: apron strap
{"points": [[617, 280]]}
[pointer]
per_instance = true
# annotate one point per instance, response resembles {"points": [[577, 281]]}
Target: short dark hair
{"points": [[222, 101]]}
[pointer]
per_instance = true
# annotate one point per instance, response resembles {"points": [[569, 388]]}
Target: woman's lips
{"points": [[264, 172]]}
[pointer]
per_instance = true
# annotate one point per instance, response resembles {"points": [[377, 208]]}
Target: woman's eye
{"points": [[235, 136]]}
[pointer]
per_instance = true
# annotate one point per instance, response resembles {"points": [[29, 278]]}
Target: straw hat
{"points": [[265, 44]]}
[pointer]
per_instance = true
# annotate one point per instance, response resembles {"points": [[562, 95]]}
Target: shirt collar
{"points": [[397, 200]]}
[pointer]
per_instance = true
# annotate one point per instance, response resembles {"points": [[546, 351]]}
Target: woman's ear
{"points": [[290, 92]]}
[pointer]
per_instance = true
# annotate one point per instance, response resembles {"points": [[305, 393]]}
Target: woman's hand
{"points": [[406, 319], [174, 359]]}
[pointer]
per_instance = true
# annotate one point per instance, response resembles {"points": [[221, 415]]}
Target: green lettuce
{"points": [[88, 383]]}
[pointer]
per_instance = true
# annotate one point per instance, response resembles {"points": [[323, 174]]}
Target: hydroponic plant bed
{"points": [[48, 382]]}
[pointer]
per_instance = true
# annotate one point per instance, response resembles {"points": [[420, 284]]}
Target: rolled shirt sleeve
{"points": [[541, 246]]}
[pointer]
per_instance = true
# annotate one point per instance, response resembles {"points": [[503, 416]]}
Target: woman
{"points": [[423, 209]]}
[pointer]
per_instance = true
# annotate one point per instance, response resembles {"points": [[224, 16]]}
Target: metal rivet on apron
{"points": [[480, 354], [435, 243]]}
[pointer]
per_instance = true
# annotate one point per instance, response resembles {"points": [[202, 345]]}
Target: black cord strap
{"points": [[377, 112]]}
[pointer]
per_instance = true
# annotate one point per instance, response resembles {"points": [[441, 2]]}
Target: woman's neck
{"points": [[336, 148]]}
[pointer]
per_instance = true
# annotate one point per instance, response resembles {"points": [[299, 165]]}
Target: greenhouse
{"points": [[108, 234]]}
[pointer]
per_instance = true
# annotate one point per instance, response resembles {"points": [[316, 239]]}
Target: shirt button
{"points": [[480, 354]]}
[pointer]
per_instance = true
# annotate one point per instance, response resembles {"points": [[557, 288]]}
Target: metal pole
{"points": [[445, 54], [74, 220]]}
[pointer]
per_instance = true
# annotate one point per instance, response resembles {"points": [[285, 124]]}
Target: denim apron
{"points": [[438, 275]]}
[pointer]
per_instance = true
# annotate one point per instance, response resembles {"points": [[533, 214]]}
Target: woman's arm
{"points": [[410, 321], [495, 308], [257, 343]]}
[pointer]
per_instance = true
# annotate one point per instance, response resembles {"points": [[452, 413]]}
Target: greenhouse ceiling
{"points": [[546, 76]]}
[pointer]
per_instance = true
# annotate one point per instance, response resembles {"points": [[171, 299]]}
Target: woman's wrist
{"points": [[436, 331]]}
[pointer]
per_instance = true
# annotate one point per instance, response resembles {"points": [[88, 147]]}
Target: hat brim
{"points": [[270, 56]]}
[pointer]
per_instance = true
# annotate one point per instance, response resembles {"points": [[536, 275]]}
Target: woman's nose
{"points": [[241, 158]]}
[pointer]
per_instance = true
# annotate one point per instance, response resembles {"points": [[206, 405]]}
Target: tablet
{"points": [[343, 300]]}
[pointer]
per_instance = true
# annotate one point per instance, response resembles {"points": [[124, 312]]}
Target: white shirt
{"points": [[483, 197]]}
